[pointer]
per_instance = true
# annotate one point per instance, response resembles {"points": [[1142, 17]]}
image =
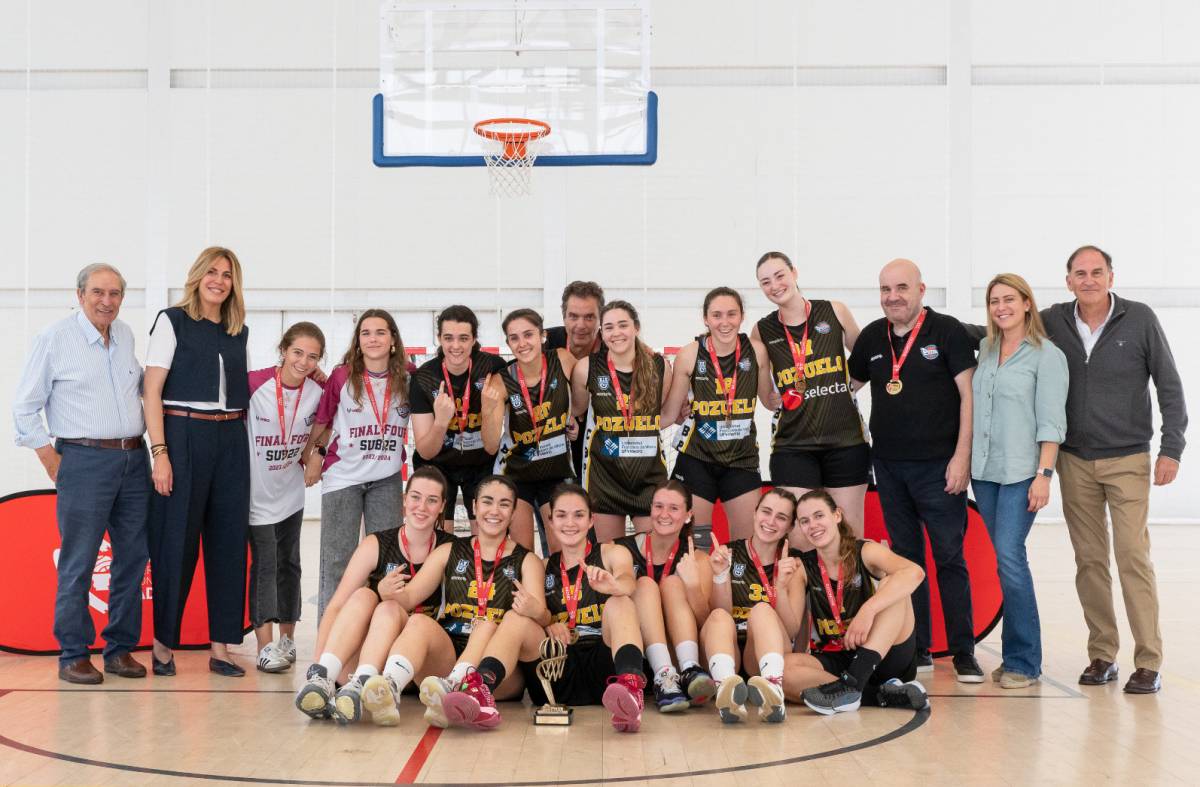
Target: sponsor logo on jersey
{"points": [[517, 401], [744, 364], [461, 566], [308, 421], [739, 570], [611, 447], [553, 383], [930, 351], [509, 572], [701, 366], [707, 430], [821, 327], [602, 382], [875, 357], [262, 419]]}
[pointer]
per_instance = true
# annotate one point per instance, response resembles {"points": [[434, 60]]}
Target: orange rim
{"points": [[514, 141]]}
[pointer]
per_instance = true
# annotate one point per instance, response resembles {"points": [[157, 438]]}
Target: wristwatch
{"points": [[320, 449], [1046, 471]]}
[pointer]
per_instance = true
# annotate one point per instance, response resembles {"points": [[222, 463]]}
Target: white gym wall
{"points": [[972, 137]]}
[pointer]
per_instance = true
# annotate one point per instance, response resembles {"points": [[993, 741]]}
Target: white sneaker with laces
{"points": [[287, 647], [271, 660], [433, 691], [381, 697]]}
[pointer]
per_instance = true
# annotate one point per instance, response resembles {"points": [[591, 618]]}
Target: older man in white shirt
{"points": [[83, 376]]}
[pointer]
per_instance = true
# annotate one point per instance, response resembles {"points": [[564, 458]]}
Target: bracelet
{"points": [[158, 445], [722, 578], [158, 450]]}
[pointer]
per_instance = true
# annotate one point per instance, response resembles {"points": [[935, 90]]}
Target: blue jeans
{"points": [[1005, 510], [100, 489]]}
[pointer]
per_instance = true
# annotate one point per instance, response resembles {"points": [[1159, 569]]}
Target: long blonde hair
{"points": [[1034, 328], [233, 310]]}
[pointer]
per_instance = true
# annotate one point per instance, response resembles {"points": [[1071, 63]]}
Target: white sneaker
{"points": [[731, 699], [767, 696], [314, 696], [271, 660], [381, 697], [287, 648], [433, 690]]}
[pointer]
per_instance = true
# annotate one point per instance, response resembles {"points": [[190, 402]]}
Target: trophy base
{"points": [[553, 716]]}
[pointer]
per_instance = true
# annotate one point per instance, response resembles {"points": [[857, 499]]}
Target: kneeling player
{"points": [[758, 606], [860, 596], [589, 609]]}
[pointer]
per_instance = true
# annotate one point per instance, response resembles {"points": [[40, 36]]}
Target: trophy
{"points": [[553, 654]]}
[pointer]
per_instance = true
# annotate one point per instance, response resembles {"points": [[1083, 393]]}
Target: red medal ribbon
{"points": [[798, 358], [768, 585], [730, 387], [466, 397], [411, 563], [483, 592], [626, 405], [571, 595], [834, 603], [387, 401], [286, 432], [912, 338], [650, 559], [537, 430]]}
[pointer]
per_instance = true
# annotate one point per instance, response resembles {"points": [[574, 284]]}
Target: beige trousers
{"points": [[1123, 485]]}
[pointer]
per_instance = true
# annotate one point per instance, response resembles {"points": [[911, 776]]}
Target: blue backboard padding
{"points": [[624, 159]]}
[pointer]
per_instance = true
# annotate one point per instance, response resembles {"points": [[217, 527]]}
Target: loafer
{"points": [[80, 671], [226, 668], [164, 668], [125, 666], [1098, 673], [1143, 681]]}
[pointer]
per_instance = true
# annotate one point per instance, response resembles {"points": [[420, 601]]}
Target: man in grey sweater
{"points": [[1114, 347]]}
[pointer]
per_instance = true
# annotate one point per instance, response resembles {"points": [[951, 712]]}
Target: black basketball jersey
{"points": [[640, 569], [711, 433], [628, 456], [543, 454], [589, 613], [828, 417], [462, 445], [746, 584], [859, 587], [391, 556], [459, 587]]}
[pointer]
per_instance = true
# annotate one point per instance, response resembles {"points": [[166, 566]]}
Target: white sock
{"points": [[659, 657], [720, 666], [770, 665], [460, 671], [399, 669], [332, 665], [688, 654], [365, 671]]}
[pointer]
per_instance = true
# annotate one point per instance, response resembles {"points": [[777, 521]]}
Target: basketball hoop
{"points": [[511, 148]]}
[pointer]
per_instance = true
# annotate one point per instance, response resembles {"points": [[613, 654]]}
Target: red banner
{"points": [[28, 579], [986, 597]]}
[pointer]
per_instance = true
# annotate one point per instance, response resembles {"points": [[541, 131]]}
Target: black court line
{"points": [[916, 721], [155, 691]]}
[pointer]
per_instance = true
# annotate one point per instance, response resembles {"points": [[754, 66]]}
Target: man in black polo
{"points": [[579, 335], [919, 364]]}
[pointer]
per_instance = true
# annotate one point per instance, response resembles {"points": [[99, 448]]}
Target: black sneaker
{"points": [[895, 694], [698, 684], [967, 668], [840, 696], [924, 661]]}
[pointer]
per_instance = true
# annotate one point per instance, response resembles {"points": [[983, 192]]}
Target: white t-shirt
{"points": [[276, 475], [358, 453], [161, 352]]}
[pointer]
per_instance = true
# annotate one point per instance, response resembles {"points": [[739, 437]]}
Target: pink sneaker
{"points": [[624, 700], [471, 705]]}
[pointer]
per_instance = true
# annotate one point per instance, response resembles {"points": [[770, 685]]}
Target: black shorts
{"points": [[537, 493], [899, 662], [459, 641], [821, 469], [712, 481], [585, 675], [462, 478]]}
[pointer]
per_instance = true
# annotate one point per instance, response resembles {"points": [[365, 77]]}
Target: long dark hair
{"points": [[397, 362], [848, 542], [645, 371]]}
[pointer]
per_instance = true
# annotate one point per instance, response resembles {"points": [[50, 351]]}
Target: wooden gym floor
{"points": [[198, 728]]}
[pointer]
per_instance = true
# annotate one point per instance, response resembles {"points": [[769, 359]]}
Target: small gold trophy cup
{"points": [[553, 655]]}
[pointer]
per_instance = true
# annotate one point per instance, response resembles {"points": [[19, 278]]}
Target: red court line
{"points": [[420, 754]]}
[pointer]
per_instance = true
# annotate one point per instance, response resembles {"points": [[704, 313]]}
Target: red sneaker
{"points": [[471, 705], [624, 700]]}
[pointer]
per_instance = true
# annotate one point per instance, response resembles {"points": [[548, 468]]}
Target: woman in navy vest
{"points": [[195, 396]]}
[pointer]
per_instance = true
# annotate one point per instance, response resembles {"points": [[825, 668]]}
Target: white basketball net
{"points": [[511, 175]]}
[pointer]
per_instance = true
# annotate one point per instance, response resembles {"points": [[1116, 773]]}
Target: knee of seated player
{"points": [[673, 589], [620, 608], [763, 613], [389, 612], [362, 598], [717, 620], [646, 589]]}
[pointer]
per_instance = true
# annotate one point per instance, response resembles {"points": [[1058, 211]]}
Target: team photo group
{"points": [[585, 541]]}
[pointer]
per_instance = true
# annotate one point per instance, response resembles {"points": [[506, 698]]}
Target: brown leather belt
{"points": [[120, 443], [207, 416]]}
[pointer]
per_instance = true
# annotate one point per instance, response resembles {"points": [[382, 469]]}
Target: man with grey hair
{"points": [[82, 374]]}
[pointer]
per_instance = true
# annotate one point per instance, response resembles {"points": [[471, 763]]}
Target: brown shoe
{"points": [[1143, 681], [1098, 673], [80, 671], [124, 665]]}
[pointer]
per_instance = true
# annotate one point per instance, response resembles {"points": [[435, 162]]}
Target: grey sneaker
{"points": [[313, 697], [895, 694], [347, 703], [287, 647], [839, 696]]}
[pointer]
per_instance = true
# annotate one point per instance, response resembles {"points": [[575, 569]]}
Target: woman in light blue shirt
{"points": [[1020, 395]]}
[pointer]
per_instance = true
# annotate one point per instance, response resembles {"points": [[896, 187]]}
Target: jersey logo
{"points": [[402, 410], [308, 421], [461, 566], [510, 572], [554, 384], [930, 351], [821, 327], [516, 401], [262, 419], [611, 447], [602, 382], [701, 366], [707, 430], [479, 384], [739, 570], [744, 364], [549, 582]]}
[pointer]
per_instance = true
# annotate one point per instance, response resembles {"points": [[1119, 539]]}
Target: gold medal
{"points": [[574, 636], [894, 387], [475, 621]]}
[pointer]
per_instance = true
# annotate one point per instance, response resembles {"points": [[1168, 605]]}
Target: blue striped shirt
{"points": [[86, 389]]}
